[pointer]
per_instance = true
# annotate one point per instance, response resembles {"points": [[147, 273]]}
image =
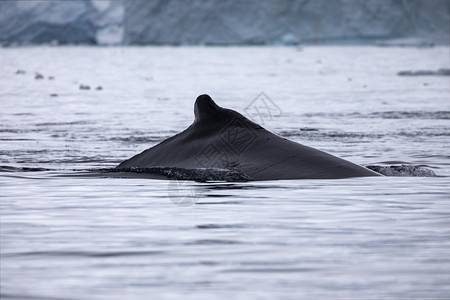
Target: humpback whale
{"points": [[223, 139]]}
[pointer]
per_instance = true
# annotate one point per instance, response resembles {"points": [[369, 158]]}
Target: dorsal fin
{"points": [[208, 112], [205, 108]]}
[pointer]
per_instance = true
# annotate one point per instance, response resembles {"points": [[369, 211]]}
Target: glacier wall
{"points": [[225, 22], [61, 22], [222, 22]]}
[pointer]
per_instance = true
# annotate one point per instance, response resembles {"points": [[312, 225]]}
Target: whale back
{"points": [[224, 139]]}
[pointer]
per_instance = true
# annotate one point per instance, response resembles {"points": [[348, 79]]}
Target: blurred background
{"points": [[224, 22]]}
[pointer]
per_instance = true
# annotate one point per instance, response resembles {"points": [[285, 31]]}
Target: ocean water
{"points": [[67, 232]]}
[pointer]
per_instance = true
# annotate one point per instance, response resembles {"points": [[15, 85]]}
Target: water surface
{"points": [[68, 236]]}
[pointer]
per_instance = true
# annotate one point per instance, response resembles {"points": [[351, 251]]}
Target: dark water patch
{"points": [[432, 115], [360, 137], [82, 253], [219, 226], [64, 123], [23, 169], [334, 115], [290, 133], [403, 170], [439, 72], [423, 133], [214, 242], [426, 155], [217, 202], [11, 130], [6, 296], [77, 160], [21, 155], [395, 162], [271, 270], [220, 196], [13, 140], [330, 134], [61, 135], [354, 135], [308, 129], [23, 114], [140, 139]]}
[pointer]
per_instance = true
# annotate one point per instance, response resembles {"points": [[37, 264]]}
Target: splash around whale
{"points": [[222, 144]]}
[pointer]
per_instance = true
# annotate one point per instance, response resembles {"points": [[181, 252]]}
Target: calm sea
{"points": [[66, 234]]}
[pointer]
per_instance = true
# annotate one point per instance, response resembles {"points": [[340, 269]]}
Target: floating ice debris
{"points": [[440, 72], [53, 95], [51, 77], [403, 170], [38, 76], [20, 72], [84, 87], [99, 88], [289, 40]]}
